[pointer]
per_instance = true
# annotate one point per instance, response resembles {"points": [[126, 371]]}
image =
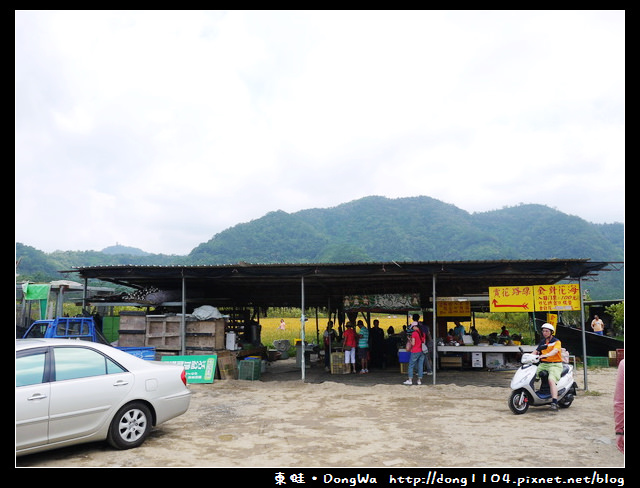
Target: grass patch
{"points": [[591, 393]]}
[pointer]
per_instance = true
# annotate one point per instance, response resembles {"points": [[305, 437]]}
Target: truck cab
{"points": [[80, 328]]}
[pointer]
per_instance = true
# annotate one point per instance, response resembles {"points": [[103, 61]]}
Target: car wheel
{"points": [[130, 426]]}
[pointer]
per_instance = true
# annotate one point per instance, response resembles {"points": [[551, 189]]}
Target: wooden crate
{"points": [[133, 321], [205, 334], [163, 332], [450, 361], [128, 338], [161, 354], [337, 358]]}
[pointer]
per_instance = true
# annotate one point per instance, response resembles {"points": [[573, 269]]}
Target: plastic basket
{"points": [[146, 353], [597, 362], [249, 369]]}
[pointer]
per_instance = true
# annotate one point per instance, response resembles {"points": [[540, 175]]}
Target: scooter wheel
{"points": [[519, 402], [566, 401]]}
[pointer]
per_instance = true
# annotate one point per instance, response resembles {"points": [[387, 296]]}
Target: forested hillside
{"points": [[376, 229], [411, 229]]}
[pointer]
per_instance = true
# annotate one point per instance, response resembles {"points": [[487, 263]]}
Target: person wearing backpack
{"points": [[416, 359], [427, 348]]}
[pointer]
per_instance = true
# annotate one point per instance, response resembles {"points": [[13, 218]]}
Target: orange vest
{"points": [[546, 347]]}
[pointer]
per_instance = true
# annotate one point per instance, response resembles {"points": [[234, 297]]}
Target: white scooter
{"points": [[524, 393]]}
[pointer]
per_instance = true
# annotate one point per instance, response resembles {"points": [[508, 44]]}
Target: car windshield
{"points": [[36, 331]]}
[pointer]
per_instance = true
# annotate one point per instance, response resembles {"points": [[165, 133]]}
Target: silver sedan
{"points": [[71, 392]]}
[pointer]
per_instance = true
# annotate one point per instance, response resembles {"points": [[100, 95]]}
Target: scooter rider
{"points": [[550, 352]]}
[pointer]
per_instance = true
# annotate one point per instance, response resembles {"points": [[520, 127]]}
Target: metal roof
{"points": [[326, 284]]}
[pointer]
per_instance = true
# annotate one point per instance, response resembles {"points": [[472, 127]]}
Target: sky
{"points": [[160, 129]]}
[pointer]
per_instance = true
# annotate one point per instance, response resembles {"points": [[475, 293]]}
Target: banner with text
{"points": [[199, 369], [453, 308], [385, 302], [534, 298]]}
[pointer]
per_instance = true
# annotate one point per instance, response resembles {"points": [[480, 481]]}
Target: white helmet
{"points": [[547, 325]]}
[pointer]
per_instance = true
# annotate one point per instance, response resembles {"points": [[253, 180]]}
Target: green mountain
{"points": [[411, 229], [377, 229]]}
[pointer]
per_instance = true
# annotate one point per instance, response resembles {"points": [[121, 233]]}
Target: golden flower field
{"points": [[270, 331]]}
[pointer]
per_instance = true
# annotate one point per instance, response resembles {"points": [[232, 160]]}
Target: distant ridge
{"points": [[120, 249], [373, 229]]}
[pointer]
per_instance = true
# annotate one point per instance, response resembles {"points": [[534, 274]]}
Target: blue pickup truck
{"points": [[79, 328]]}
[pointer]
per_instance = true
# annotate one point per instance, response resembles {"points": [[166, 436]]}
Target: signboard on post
{"points": [[199, 369], [550, 298], [538, 298]]}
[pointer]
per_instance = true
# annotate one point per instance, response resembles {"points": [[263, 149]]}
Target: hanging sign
{"points": [[383, 302], [453, 308], [511, 299], [535, 298], [199, 369], [551, 298]]}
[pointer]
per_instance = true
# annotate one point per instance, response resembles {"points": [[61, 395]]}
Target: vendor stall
{"points": [[494, 356]]}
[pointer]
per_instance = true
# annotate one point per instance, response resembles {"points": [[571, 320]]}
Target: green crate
{"points": [[597, 362], [249, 369], [110, 326]]}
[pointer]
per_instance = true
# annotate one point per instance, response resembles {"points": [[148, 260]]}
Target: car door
{"points": [[32, 398], [88, 388]]}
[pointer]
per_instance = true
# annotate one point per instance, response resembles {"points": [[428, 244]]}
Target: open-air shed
{"points": [[310, 285]]}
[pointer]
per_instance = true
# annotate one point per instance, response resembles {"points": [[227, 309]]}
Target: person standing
{"points": [[426, 335], [328, 337], [282, 325], [350, 341], [376, 343], [597, 325], [550, 351], [363, 347], [416, 359]]}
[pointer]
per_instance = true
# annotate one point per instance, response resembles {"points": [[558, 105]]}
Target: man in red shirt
{"points": [[349, 346]]}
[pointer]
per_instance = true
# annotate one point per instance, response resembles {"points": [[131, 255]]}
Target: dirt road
{"points": [[367, 421]]}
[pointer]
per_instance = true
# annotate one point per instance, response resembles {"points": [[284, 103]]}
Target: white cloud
{"points": [[170, 126]]}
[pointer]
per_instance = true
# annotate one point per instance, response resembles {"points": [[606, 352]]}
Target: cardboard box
{"points": [[476, 360], [451, 361], [495, 359], [227, 365]]}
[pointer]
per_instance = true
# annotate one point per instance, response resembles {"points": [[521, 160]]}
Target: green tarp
{"points": [[37, 292]]}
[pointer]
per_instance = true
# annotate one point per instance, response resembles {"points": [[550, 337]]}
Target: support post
{"points": [[183, 325], [302, 319], [433, 332], [584, 335]]}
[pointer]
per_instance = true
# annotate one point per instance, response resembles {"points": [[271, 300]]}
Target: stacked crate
{"points": [[337, 363], [205, 336], [133, 329], [163, 332], [202, 337]]}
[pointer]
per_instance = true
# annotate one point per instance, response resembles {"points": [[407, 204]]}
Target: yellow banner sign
{"points": [[551, 298], [538, 298], [511, 299], [453, 308]]}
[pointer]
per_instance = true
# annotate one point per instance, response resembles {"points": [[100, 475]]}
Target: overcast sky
{"points": [[158, 130]]}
